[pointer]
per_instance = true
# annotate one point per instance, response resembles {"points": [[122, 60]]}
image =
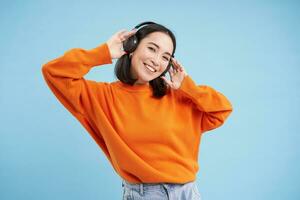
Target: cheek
{"points": [[136, 64], [164, 67], [133, 64], [145, 56], [139, 58]]}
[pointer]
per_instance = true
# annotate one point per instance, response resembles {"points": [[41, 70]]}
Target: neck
{"points": [[138, 83]]}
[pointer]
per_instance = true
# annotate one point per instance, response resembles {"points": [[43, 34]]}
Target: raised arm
{"points": [[65, 77], [215, 107]]}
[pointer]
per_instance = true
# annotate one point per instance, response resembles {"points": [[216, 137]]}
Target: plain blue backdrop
{"points": [[248, 50]]}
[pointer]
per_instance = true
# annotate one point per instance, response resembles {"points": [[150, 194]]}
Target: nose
{"points": [[155, 61]]}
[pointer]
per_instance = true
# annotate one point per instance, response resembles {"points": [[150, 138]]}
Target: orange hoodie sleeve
{"points": [[214, 106], [64, 76]]}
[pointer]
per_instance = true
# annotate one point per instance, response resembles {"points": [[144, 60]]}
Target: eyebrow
{"points": [[158, 47]]}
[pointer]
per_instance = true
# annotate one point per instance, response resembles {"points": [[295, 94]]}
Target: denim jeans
{"points": [[160, 191]]}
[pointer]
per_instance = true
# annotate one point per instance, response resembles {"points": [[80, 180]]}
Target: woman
{"points": [[149, 127]]}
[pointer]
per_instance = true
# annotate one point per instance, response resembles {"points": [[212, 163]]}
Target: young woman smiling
{"points": [[148, 126]]}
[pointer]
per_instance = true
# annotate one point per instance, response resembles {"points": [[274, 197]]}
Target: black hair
{"points": [[123, 64]]}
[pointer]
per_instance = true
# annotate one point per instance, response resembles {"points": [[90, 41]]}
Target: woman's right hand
{"points": [[115, 43]]}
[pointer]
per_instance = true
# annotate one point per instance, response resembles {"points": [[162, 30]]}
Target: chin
{"points": [[149, 79], [145, 77]]}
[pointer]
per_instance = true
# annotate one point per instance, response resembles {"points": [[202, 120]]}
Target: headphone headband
{"points": [[144, 23], [131, 43]]}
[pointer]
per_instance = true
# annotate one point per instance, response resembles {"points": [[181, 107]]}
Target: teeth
{"points": [[153, 70]]}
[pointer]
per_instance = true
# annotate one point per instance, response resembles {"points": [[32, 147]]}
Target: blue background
{"points": [[248, 50]]}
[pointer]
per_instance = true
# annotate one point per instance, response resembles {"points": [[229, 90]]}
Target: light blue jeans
{"points": [[160, 191]]}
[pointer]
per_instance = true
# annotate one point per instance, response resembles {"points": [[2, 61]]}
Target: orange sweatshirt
{"points": [[147, 140]]}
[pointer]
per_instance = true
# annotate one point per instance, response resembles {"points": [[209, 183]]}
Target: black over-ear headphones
{"points": [[132, 42]]}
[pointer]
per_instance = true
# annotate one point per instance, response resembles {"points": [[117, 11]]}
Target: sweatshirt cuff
{"points": [[206, 98], [190, 90], [186, 84]]}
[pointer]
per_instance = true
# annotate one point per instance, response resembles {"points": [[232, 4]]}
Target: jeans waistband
{"points": [[141, 186]]}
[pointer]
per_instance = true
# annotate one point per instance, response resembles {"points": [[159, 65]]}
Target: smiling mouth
{"points": [[151, 69]]}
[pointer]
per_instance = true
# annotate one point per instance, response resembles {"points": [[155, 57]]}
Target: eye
{"points": [[166, 58], [151, 48]]}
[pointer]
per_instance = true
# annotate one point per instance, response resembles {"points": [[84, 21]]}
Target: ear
{"points": [[130, 55]]}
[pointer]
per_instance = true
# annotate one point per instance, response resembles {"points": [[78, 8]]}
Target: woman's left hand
{"points": [[177, 75]]}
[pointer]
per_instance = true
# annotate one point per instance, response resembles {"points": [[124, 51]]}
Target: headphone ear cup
{"points": [[130, 44]]}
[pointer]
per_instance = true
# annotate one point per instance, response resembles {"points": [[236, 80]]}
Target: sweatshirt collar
{"points": [[134, 88]]}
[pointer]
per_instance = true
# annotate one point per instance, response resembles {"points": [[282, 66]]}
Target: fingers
{"points": [[120, 32], [124, 34], [130, 33], [166, 80], [177, 65], [172, 71]]}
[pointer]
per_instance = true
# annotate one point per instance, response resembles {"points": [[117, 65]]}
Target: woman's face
{"points": [[151, 57]]}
